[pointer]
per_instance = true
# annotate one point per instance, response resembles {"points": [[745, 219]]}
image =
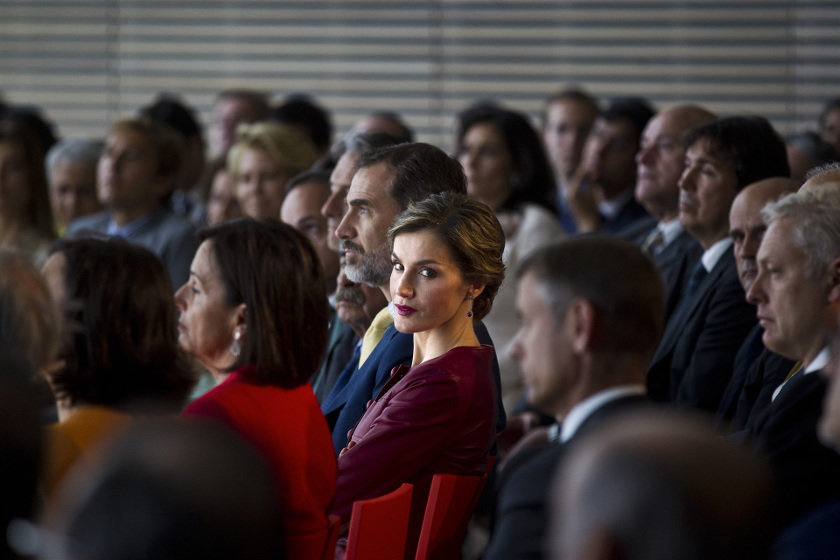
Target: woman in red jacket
{"points": [[254, 313], [436, 416]]}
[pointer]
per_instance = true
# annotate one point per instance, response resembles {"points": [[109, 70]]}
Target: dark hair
{"points": [[818, 150], [170, 110], [750, 144], [572, 94], [312, 176], [620, 281], [30, 119], [302, 111], [536, 179], [830, 105], [38, 211], [119, 342], [27, 316], [257, 99], [275, 272], [419, 169], [166, 142], [635, 110], [471, 231], [174, 490]]}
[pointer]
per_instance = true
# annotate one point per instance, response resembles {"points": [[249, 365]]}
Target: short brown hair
{"points": [[471, 231], [275, 272]]}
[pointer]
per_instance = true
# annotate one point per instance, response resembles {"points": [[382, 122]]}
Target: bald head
{"points": [[746, 226], [827, 176], [645, 486], [661, 158]]}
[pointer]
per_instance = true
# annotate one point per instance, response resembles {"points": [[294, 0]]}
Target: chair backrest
{"points": [[378, 526], [332, 537], [452, 499]]}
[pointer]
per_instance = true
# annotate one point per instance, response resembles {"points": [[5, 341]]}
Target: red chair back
{"points": [[452, 499], [378, 526], [332, 537]]}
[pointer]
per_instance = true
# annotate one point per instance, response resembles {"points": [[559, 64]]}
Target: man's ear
{"points": [[581, 314]]}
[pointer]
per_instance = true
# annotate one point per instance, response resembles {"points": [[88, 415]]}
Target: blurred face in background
{"points": [[14, 182], [567, 126], [73, 191], [260, 184], [222, 204], [487, 163]]}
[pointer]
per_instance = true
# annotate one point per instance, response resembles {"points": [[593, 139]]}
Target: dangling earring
{"points": [[235, 349], [469, 311]]}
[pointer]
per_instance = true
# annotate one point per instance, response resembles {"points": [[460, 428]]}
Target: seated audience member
{"points": [[254, 313], [187, 195], [591, 310], [567, 120], [755, 368], [135, 176], [303, 113], [232, 108], [20, 445], [830, 123], [805, 151], [600, 195], [827, 175], [693, 364], [264, 158], [28, 346], [222, 205], [119, 354], [306, 193], [815, 535], [660, 163], [386, 122], [346, 153], [653, 487], [173, 491], [71, 175], [356, 304], [386, 182], [436, 416], [506, 169], [797, 298], [26, 223]]}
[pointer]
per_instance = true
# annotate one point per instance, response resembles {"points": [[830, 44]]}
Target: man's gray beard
{"points": [[372, 268]]}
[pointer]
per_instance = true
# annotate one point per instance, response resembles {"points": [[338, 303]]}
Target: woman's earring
{"points": [[469, 311], [235, 349]]}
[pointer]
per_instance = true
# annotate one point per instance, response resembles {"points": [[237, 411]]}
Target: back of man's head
{"points": [[419, 171], [651, 487], [750, 144], [616, 278]]}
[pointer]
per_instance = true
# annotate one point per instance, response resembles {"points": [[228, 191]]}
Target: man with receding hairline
{"points": [[591, 311]]}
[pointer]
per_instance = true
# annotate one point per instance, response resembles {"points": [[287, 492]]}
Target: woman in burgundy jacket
{"points": [[436, 416]]}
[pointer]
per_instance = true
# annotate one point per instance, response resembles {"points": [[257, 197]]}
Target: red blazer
{"points": [[437, 417], [288, 428]]}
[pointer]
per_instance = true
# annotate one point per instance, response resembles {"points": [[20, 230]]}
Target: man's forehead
{"points": [[371, 184]]}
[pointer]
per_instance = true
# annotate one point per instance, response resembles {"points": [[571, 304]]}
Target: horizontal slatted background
{"points": [[87, 62]]}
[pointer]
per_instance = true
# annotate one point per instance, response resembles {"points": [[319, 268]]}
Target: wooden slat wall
{"points": [[87, 62]]}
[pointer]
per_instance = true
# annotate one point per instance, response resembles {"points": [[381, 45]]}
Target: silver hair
{"points": [[821, 169], [816, 225], [73, 149]]}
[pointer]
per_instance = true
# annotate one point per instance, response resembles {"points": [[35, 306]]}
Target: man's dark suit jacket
{"points": [[806, 474], [524, 489], [628, 215], [693, 364], [340, 348], [675, 260], [355, 388]]}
